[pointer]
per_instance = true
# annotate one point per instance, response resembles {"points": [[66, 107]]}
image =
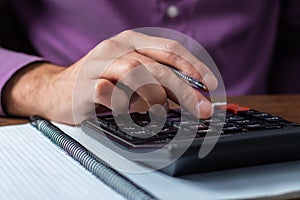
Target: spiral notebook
{"points": [[32, 167]]}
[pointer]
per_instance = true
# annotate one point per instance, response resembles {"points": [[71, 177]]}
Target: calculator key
{"points": [[153, 126], [220, 115], [167, 130], [262, 115], [250, 112], [140, 134], [234, 118], [172, 121], [212, 121], [231, 129], [245, 121], [102, 122], [160, 141], [254, 126], [196, 127], [113, 126], [273, 119], [291, 124], [184, 122], [234, 108], [108, 118], [172, 115], [127, 128], [105, 121], [273, 126], [189, 123], [142, 122]]}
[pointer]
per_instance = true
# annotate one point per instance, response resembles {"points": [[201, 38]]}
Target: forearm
{"points": [[27, 91]]}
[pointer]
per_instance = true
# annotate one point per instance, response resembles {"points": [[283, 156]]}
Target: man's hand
{"points": [[130, 61]]}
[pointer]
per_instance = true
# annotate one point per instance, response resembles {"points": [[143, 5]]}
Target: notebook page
{"points": [[274, 181], [32, 167]]}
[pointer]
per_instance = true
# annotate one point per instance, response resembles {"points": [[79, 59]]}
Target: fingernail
{"points": [[210, 81], [204, 109]]}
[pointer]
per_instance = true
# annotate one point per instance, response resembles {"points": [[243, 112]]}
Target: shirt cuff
{"points": [[11, 62]]}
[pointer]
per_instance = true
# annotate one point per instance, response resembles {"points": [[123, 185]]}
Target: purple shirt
{"points": [[254, 43]]}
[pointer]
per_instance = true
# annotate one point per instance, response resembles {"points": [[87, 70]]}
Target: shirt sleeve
{"points": [[285, 74], [11, 62]]}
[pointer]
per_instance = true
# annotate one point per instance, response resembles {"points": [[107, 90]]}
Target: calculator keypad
{"points": [[238, 120]]}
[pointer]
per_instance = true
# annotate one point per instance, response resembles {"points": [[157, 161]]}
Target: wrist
{"points": [[27, 91]]}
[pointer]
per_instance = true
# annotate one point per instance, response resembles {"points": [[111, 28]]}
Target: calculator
{"points": [[237, 136]]}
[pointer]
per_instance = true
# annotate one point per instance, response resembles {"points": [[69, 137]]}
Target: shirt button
{"points": [[172, 11]]}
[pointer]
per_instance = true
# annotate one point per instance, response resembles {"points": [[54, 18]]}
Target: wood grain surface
{"points": [[286, 106]]}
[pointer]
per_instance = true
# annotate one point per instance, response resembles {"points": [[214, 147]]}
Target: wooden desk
{"points": [[10, 121], [286, 106]]}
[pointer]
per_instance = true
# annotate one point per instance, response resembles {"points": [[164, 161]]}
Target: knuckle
{"points": [[100, 51], [160, 72], [172, 57], [107, 44], [173, 45], [173, 49], [132, 64], [187, 95], [126, 34], [102, 88]]}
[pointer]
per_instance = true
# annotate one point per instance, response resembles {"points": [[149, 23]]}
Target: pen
{"points": [[195, 83], [99, 168]]}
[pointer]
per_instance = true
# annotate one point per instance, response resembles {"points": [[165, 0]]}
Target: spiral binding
{"points": [[105, 173]]}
